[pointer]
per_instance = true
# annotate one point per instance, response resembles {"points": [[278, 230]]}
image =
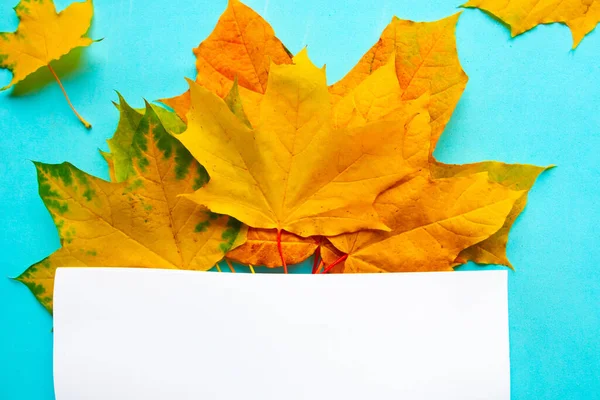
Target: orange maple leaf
{"points": [[243, 46]]}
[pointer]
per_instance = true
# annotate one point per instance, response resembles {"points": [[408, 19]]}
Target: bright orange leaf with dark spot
{"points": [[138, 221]]}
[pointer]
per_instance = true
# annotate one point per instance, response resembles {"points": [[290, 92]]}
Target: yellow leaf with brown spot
{"points": [[242, 45], [581, 16], [426, 62], [260, 248], [140, 222], [294, 171], [519, 177], [431, 222]]}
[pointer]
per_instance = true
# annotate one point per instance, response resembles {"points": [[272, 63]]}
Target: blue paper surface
{"points": [[529, 99]]}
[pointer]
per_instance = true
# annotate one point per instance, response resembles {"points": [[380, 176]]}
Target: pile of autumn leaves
{"points": [[264, 164]]}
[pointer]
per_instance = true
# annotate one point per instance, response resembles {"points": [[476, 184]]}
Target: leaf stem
{"points": [[83, 121], [336, 262], [251, 268], [218, 267], [317, 257], [285, 270], [230, 265], [321, 264]]}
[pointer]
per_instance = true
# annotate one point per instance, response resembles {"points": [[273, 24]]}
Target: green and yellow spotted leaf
{"points": [[139, 222], [120, 144]]}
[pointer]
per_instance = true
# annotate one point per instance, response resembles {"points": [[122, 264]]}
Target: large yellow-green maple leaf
{"points": [[139, 222]]}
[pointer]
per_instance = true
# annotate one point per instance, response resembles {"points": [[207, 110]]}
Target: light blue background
{"points": [[530, 100]]}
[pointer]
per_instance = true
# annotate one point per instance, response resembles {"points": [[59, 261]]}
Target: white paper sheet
{"points": [[129, 334]]}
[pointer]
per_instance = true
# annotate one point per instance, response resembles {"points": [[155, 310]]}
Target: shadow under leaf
{"points": [[42, 77]]}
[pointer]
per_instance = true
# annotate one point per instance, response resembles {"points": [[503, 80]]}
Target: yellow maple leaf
{"points": [[431, 222], [44, 36], [426, 62], [520, 177], [242, 45], [377, 97], [581, 16], [140, 222], [294, 172]]}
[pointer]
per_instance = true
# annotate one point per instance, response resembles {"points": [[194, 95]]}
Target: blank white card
{"points": [[127, 334]]}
